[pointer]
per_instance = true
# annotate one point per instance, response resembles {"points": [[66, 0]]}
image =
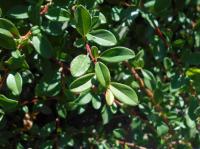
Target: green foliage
{"points": [[100, 74]]}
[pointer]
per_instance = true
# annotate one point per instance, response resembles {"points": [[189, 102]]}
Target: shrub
{"points": [[99, 74]]}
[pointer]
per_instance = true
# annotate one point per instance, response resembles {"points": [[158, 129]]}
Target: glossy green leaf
{"points": [[7, 103], [42, 46], [117, 54], [81, 84], [6, 39], [57, 14], [102, 37], [49, 85], [109, 97], [162, 6], [124, 93], [17, 61], [82, 20], [1, 114], [162, 129], [80, 65], [53, 28], [14, 83], [103, 74], [192, 72], [62, 110], [84, 98], [18, 12], [96, 102], [106, 114], [95, 52], [119, 133], [8, 25]]}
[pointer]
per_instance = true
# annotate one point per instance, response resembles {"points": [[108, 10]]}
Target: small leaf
{"points": [[7, 103], [96, 102], [80, 65], [109, 97], [84, 98], [14, 83], [61, 109], [49, 85], [102, 37], [124, 93], [162, 129], [106, 114], [161, 6], [1, 114], [94, 50], [17, 61], [42, 46], [6, 39], [57, 14], [18, 12], [82, 20], [117, 54], [119, 133], [81, 84], [8, 25], [103, 74]]}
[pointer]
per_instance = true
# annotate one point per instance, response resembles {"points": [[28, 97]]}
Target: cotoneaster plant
{"points": [[99, 74]]}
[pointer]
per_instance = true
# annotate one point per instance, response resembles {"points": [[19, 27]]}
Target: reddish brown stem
{"points": [[34, 101], [150, 94], [132, 145], [26, 36], [160, 34], [44, 9], [87, 46]]}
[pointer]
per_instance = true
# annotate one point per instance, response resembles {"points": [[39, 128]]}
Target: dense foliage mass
{"points": [[99, 74]]}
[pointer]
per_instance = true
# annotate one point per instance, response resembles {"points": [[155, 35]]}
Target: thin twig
{"points": [[160, 34], [87, 46], [150, 94], [132, 145]]}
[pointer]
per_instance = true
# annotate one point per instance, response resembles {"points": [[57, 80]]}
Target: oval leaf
{"points": [[109, 97], [96, 102], [6, 39], [84, 98], [8, 25], [102, 37], [117, 54], [42, 46], [18, 12], [103, 74], [82, 20], [57, 14], [7, 103], [49, 85], [124, 93], [80, 65], [14, 83], [81, 84]]}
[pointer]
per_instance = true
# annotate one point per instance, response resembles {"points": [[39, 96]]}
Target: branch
{"points": [[87, 46], [160, 34], [150, 94], [130, 144]]}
